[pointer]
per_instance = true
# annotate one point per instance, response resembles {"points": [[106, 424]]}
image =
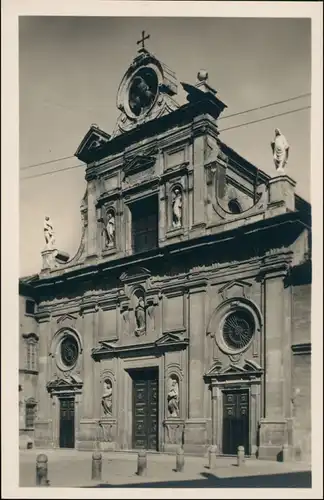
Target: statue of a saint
{"points": [[106, 399], [109, 229], [173, 398], [140, 314], [177, 208], [280, 149], [49, 233]]}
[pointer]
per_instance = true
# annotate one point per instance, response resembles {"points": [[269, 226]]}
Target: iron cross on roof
{"points": [[142, 40]]}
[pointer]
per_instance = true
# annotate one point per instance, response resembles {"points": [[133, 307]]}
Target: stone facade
{"points": [[208, 297]]}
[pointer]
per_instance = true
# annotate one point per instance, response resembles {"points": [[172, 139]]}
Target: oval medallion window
{"points": [[69, 351], [238, 329]]}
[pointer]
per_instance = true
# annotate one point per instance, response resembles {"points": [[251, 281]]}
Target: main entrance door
{"points": [[67, 423], [145, 409], [235, 421]]}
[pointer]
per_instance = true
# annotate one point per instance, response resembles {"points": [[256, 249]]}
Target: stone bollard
{"points": [[179, 460], [212, 451], [96, 465], [240, 456], [41, 470], [285, 453], [141, 463]]}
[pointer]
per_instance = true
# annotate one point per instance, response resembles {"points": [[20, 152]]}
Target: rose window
{"points": [[69, 351], [238, 329]]}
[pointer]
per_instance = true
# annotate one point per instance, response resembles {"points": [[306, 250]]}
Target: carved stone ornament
{"points": [[144, 92], [174, 432]]}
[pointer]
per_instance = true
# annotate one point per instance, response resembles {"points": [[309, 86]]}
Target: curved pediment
{"points": [[134, 274]]}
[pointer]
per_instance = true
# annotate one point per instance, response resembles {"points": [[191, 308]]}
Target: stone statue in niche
{"points": [[109, 229], [280, 150], [177, 208], [173, 397], [49, 233], [140, 316], [106, 399]]}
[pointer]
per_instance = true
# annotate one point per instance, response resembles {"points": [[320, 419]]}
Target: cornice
{"points": [[169, 342], [305, 348]]}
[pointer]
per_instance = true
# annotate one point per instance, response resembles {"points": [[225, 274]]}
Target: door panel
{"points": [[67, 423], [235, 422], [145, 410]]}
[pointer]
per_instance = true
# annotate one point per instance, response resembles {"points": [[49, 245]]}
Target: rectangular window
{"points": [[30, 415], [30, 307], [145, 224]]}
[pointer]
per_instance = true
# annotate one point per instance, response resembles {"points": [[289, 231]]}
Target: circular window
{"points": [[238, 329], [234, 207], [69, 351]]}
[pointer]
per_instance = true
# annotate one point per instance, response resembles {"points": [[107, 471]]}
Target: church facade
{"points": [[184, 317]]}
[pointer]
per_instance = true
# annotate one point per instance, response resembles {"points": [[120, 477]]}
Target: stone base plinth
{"points": [[273, 435], [282, 192], [43, 434], [195, 437], [173, 434], [107, 434], [88, 435]]}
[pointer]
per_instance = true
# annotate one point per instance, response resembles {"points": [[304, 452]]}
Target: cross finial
{"points": [[142, 41]]}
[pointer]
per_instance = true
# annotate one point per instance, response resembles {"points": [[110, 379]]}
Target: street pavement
{"points": [[71, 468]]}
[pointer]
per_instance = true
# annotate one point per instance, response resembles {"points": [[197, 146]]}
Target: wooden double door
{"points": [[145, 409], [67, 428], [236, 418]]}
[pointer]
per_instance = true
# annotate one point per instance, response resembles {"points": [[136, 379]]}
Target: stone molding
{"points": [[305, 348]]}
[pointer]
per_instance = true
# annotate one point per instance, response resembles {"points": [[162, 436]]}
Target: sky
{"points": [[69, 72]]}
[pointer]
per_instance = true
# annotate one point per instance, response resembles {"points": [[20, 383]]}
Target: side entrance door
{"points": [[67, 423], [235, 421], [145, 409]]}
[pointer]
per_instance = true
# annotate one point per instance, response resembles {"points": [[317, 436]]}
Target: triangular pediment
{"points": [[249, 368], [139, 163], [169, 338], [235, 288], [63, 383], [94, 140]]}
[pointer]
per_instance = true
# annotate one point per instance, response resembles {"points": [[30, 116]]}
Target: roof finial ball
{"points": [[202, 75]]}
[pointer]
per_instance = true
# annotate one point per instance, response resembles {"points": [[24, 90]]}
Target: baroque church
{"points": [[184, 317]]}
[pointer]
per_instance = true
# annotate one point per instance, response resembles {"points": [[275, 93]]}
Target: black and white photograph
{"points": [[164, 332]]}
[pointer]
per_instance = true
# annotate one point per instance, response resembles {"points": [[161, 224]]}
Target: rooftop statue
{"points": [[280, 149]]}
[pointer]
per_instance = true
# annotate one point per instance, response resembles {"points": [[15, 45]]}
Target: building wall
{"points": [[302, 370], [28, 375]]}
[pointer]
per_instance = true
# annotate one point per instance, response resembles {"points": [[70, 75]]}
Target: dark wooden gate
{"points": [[236, 421], [145, 409], [67, 423]]}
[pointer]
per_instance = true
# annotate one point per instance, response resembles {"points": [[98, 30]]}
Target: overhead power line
{"points": [[265, 106], [222, 130], [26, 167], [46, 162], [265, 118]]}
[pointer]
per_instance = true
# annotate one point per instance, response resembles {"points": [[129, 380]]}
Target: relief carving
{"points": [[174, 432]]}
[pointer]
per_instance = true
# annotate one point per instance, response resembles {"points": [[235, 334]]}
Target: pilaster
{"points": [[88, 428], [196, 425], [273, 426], [43, 422]]}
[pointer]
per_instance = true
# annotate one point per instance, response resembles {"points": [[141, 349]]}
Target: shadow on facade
{"points": [[288, 480]]}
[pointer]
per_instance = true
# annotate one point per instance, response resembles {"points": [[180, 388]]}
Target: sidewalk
{"points": [[71, 468]]}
